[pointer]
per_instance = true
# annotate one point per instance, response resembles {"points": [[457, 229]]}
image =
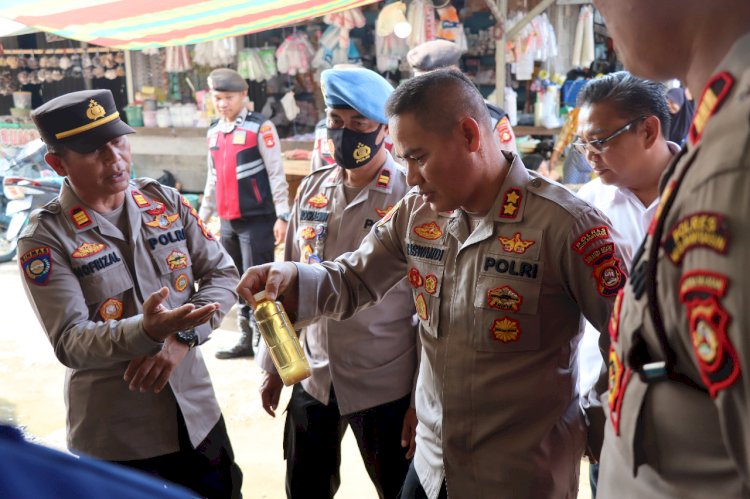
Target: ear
{"points": [[56, 163], [471, 133], [652, 130]]}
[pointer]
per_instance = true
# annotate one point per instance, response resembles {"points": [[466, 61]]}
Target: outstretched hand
{"points": [[159, 322], [274, 278]]}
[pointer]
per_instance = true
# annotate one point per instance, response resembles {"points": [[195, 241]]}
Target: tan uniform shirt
{"points": [[370, 358], [667, 438], [87, 282], [500, 311]]}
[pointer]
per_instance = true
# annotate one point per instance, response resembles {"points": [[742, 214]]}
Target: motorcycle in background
{"points": [[28, 183]]}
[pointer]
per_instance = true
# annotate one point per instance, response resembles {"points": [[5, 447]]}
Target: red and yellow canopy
{"points": [[139, 24]]}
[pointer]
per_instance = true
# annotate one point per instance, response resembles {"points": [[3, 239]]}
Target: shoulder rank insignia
{"points": [[504, 298], [713, 95], [163, 221], [429, 231], [511, 203], [697, 230], [701, 292], [88, 249], [37, 264], [384, 179], [111, 310], [80, 217], [515, 244], [318, 201], [588, 237], [140, 199], [505, 329]]}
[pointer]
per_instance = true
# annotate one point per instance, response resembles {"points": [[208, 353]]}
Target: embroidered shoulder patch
{"points": [[384, 179], [140, 199], [588, 237], [701, 292], [697, 230], [609, 276], [37, 264]]}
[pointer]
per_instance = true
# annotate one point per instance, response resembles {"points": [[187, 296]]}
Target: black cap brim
{"points": [[95, 138]]}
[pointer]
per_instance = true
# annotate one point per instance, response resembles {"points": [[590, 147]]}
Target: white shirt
{"points": [[630, 219]]}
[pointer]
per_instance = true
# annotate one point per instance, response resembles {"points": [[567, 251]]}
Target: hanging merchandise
{"points": [[535, 41], [450, 28], [583, 46], [257, 64], [178, 60], [291, 109], [215, 54], [346, 21], [421, 16], [335, 46], [295, 54]]}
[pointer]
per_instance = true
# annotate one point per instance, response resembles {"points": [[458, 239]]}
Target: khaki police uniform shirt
{"points": [[667, 438], [500, 312], [371, 358], [87, 282]]}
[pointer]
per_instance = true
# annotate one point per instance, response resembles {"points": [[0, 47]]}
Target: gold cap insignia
{"points": [[95, 111], [362, 152]]}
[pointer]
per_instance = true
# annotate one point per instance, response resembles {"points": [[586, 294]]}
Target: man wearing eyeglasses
{"points": [[679, 388], [622, 128]]}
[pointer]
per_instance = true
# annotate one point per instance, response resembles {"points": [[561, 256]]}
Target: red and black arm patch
{"points": [[701, 291], [698, 230], [598, 252]]}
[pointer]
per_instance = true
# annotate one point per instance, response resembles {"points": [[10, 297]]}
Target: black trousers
{"points": [[312, 445], [249, 241], [209, 469], [413, 488]]}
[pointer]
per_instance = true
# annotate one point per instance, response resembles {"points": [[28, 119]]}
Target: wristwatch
{"points": [[284, 216], [188, 337]]}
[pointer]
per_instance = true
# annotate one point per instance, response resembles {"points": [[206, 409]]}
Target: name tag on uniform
{"points": [[238, 138], [213, 140]]}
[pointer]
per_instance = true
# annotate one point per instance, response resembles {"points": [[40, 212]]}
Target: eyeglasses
{"points": [[598, 146]]}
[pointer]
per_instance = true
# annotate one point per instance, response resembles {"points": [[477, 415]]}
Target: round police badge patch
{"points": [[111, 310], [37, 265]]}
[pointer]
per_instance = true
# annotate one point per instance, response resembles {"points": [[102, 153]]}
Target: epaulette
{"points": [[53, 208], [557, 194], [255, 117]]}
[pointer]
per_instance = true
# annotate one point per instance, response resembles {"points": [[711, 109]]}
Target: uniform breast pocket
{"points": [[175, 266], [426, 281], [506, 315], [109, 283]]}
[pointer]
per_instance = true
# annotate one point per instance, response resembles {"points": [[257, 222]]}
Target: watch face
{"points": [[189, 338]]}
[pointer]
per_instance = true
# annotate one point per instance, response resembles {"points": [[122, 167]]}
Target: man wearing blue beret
{"points": [[363, 368]]}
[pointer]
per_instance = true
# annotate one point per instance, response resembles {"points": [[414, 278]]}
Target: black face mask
{"points": [[354, 149]]}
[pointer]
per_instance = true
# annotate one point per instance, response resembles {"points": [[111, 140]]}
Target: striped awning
{"points": [[139, 24]]}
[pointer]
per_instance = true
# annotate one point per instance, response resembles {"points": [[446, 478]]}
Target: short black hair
{"points": [[439, 99], [631, 96]]}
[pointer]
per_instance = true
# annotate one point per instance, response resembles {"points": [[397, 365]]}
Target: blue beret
{"points": [[358, 88]]}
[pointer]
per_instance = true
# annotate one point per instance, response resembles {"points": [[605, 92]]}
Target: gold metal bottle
{"points": [[281, 340]]}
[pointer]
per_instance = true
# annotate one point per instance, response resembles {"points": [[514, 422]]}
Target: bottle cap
{"points": [[260, 296]]}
